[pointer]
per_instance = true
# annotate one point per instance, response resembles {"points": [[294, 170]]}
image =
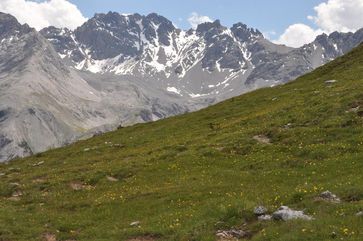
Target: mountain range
{"points": [[58, 85]]}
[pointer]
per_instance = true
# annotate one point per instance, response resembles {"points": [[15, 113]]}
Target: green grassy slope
{"points": [[185, 177]]}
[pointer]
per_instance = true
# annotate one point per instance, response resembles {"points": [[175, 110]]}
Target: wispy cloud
{"points": [[195, 19]]}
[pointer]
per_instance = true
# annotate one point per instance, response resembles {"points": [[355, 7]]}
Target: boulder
{"points": [[328, 197], [285, 213]]}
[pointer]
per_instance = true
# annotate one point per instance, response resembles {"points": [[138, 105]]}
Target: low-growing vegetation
{"points": [[186, 177]]}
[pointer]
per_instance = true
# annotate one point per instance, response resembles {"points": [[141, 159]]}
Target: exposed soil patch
{"points": [[360, 113], [143, 238], [49, 237], [262, 139], [39, 180], [77, 186]]}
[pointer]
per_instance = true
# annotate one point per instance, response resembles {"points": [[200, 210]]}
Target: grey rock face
{"points": [[244, 34], [9, 26], [63, 41], [221, 48], [107, 35]]}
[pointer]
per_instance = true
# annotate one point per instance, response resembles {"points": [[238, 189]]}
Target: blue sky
{"points": [[266, 15]]}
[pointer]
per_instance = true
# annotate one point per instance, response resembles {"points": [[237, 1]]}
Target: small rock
{"points": [[333, 235], [265, 218], [38, 164], [328, 197], [359, 214], [231, 234], [285, 213], [86, 149], [354, 109], [331, 81], [76, 186], [112, 179], [17, 193], [2, 174], [288, 125], [260, 210], [135, 224]]}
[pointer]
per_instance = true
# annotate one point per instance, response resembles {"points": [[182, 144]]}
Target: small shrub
{"points": [[297, 198]]}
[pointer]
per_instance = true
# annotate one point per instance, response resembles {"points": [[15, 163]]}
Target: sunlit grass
{"points": [[186, 177]]}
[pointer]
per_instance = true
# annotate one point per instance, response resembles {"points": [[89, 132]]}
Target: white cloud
{"points": [[297, 35], [58, 13], [339, 15], [195, 19], [331, 15]]}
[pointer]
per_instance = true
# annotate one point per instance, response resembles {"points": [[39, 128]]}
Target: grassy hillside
{"points": [[186, 177]]}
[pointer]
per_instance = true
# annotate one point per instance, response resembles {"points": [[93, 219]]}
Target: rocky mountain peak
{"points": [[322, 39], [244, 33], [9, 25], [209, 26], [158, 19], [157, 29]]}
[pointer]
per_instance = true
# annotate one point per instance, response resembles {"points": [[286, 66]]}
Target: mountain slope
{"points": [[212, 61], [186, 177], [45, 104]]}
